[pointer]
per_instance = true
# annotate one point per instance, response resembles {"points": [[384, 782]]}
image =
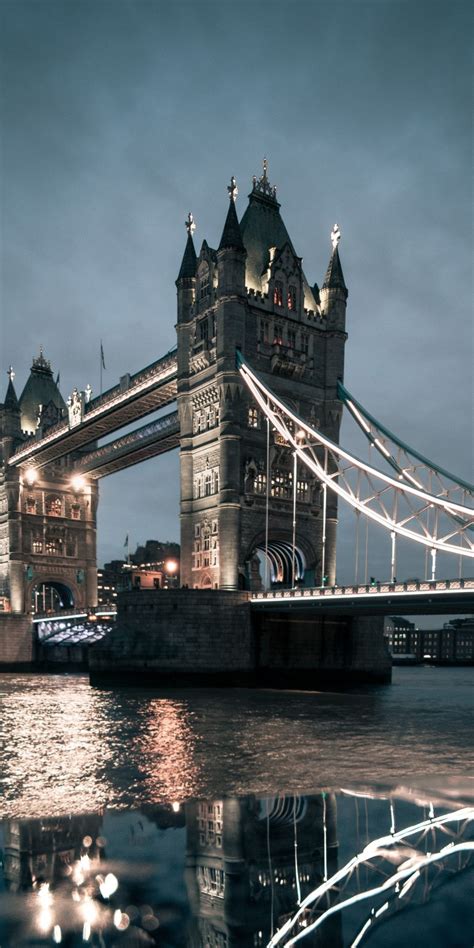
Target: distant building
{"points": [[153, 566], [453, 644]]}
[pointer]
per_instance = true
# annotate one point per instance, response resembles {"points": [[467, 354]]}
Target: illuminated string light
{"points": [[264, 396], [369, 852]]}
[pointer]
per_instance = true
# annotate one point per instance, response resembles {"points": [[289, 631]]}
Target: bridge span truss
{"points": [[401, 505]]}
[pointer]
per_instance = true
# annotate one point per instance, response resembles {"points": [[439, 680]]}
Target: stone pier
{"points": [[213, 637], [16, 642]]}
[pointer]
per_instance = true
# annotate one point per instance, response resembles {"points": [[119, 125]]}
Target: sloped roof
{"points": [[11, 400], [188, 263], [231, 235], [334, 276], [40, 389], [263, 227]]}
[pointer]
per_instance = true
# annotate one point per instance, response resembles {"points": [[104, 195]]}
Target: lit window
{"points": [[75, 512], [53, 506], [260, 484], [207, 484], [278, 293], [291, 297], [281, 484], [302, 490], [204, 285], [37, 544], [278, 335], [31, 505], [252, 419], [54, 546]]}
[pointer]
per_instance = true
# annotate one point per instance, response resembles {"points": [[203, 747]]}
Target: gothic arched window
{"points": [[204, 284], [291, 297], [278, 293]]}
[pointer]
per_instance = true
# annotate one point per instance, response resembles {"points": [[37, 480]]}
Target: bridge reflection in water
{"points": [[323, 869]]}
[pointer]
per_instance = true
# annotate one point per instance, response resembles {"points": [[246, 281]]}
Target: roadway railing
{"points": [[351, 591], [100, 612]]}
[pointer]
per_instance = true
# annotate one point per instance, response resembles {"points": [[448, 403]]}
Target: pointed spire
{"points": [[188, 263], [11, 400], [231, 235], [334, 278]]}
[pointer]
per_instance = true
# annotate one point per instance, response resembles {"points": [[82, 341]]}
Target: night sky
{"points": [[117, 118]]}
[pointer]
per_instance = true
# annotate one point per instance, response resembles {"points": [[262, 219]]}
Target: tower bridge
{"points": [[261, 467]]}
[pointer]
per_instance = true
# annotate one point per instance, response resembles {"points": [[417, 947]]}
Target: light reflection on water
{"points": [[245, 872], [67, 748]]}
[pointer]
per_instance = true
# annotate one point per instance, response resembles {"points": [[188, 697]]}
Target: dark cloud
{"points": [[117, 118]]}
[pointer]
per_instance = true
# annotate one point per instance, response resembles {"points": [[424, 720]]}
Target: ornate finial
{"points": [[190, 225], [262, 185], [232, 189], [88, 392], [11, 374], [335, 236], [41, 363]]}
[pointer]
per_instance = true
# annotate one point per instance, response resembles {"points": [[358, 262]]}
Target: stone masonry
{"points": [[252, 294]]}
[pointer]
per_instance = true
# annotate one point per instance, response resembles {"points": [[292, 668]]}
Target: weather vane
{"points": [[232, 189], [335, 236], [190, 225]]}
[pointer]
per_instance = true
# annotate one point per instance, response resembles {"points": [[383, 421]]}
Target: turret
{"points": [[334, 292], [10, 414], [186, 282], [231, 253]]}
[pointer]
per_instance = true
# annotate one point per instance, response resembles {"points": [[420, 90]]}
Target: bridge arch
{"points": [[277, 569], [49, 593]]}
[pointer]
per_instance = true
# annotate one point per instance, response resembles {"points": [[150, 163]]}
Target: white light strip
{"points": [[382, 448], [78, 615], [250, 378], [315, 466], [358, 415], [32, 449], [390, 883], [278, 597], [465, 813]]}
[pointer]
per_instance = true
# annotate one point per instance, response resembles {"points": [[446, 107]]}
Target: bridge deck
{"points": [[137, 396], [443, 597], [139, 445]]}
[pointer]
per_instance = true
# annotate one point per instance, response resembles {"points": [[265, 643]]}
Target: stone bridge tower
{"points": [[252, 294], [47, 515]]}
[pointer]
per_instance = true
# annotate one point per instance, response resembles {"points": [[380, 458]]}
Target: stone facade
{"points": [[191, 636], [47, 518], [16, 641], [252, 295]]}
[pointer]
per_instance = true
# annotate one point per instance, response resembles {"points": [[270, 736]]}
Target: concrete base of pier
{"points": [[213, 637], [16, 642]]}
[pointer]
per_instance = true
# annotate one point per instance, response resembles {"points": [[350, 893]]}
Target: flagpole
{"points": [[100, 361]]}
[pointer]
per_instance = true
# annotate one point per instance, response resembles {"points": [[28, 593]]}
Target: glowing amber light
{"points": [[78, 483], [31, 476], [171, 567]]}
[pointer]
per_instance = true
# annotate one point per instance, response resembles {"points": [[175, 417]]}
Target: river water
{"points": [[216, 813]]}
